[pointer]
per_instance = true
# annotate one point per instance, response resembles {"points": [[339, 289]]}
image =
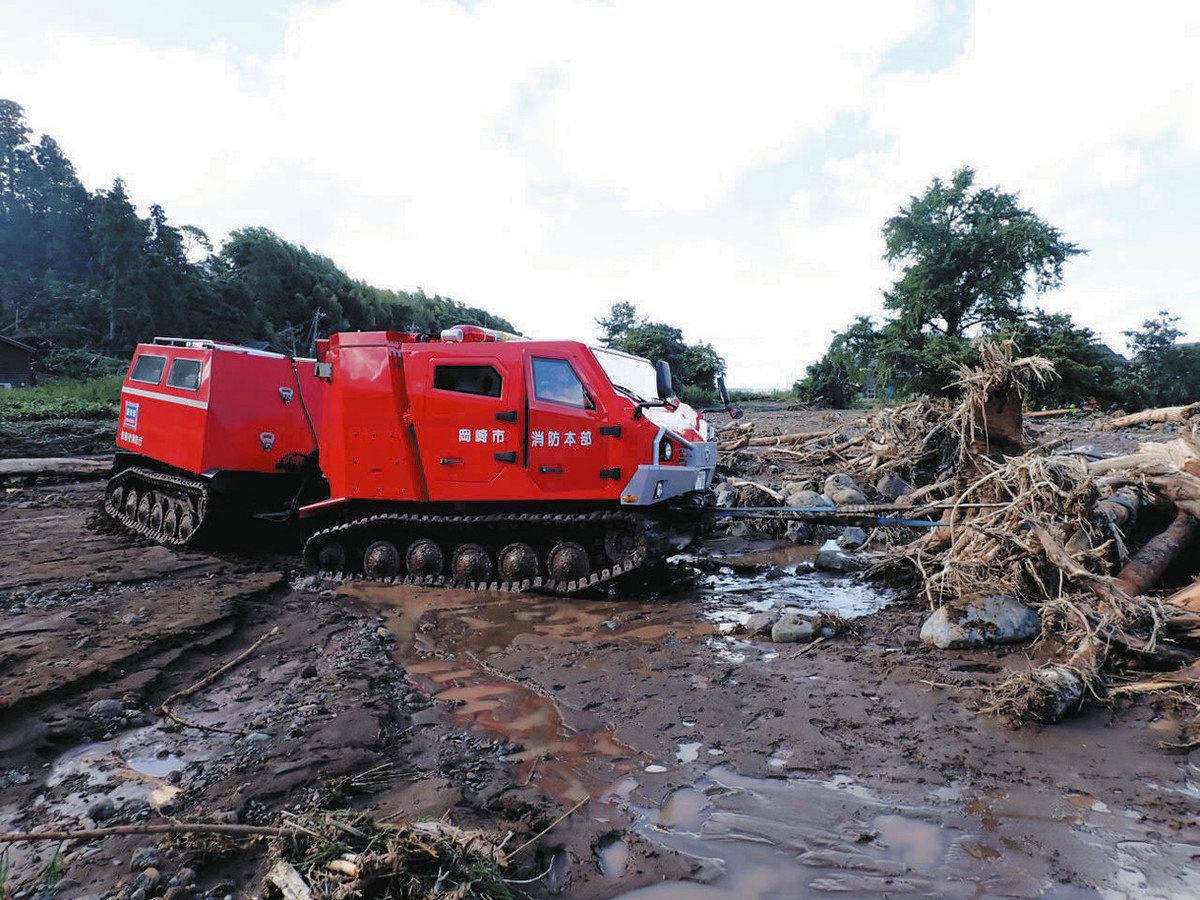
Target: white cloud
{"points": [[728, 168]]}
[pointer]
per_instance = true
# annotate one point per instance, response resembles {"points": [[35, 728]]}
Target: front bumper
{"points": [[653, 484]]}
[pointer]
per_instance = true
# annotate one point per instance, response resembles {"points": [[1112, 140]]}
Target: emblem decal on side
{"points": [[131, 415], [267, 439]]}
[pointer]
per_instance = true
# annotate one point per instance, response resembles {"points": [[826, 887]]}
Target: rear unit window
{"points": [[556, 381], [482, 380], [148, 369], [185, 374]]}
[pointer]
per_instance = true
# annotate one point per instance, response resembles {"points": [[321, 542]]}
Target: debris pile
{"points": [[1083, 540]]}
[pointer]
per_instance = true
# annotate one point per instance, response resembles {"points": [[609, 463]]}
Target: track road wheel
{"points": [[116, 496], [332, 557], [187, 524], [620, 544], [424, 558], [518, 562], [170, 523], [568, 561], [471, 562], [156, 514], [143, 510], [131, 504], [381, 560]]}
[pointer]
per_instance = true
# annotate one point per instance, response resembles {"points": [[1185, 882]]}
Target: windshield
{"points": [[632, 374]]}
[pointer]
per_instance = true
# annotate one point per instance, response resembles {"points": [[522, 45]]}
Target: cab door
{"points": [[468, 427], [568, 453]]}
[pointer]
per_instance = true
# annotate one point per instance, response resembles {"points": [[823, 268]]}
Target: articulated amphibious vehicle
{"points": [[469, 459]]}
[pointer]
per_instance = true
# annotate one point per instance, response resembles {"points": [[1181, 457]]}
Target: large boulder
{"points": [[978, 621], [831, 559], [892, 486], [848, 497], [839, 481], [806, 498], [800, 533], [795, 628], [760, 623], [852, 538]]}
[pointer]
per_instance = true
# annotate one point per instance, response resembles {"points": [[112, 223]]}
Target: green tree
{"points": [[966, 255], [1164, 372], [119, 237]]}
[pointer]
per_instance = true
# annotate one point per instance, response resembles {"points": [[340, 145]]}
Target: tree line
{"points": [[694, 367], [968, 256], [83, 275]]}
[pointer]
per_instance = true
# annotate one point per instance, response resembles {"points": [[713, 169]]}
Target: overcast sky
{"points": [[724, 166]]}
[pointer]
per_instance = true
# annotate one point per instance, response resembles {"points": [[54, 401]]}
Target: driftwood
{"points": [[209, 679], [1162, 681], [1187, 598], [796, 437], [290, 883], [78, 466], [1171, 415], [1048, 413], [1146, 567]]}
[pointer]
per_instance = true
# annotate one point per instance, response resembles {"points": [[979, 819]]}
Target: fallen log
{"points": [[1146, 567], [1186, 598], [1163, 681], [81, 466], [1048, 413], [796, 437], [1180, 488], [1172, 415]]}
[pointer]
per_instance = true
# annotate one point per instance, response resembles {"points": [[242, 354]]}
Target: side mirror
{"points": [[662, 371], [722, 390]]}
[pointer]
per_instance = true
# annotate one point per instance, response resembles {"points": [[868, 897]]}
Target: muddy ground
{"points": [[707, 764]]}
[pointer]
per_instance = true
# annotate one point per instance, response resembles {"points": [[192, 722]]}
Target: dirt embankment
{"points": [[698, 762]]}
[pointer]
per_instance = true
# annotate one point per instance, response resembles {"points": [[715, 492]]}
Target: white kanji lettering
{"points": [[585, 439], [498, 435], [552, 439], [537, 439], [569, 439], [481, 435], [464, 435]]}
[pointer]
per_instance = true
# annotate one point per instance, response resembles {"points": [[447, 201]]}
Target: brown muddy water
{"points": [[544, 675]]}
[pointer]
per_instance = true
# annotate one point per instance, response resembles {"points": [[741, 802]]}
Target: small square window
{"points": [[148, 369], [482, 380], [185, 375]]}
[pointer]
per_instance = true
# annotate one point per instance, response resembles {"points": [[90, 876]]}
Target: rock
{"points": [[102, 809], [892, 486], [839, 481], [793, 628], [848, 497], [831, 559], [774, 573], [185, 876], [149, 879], [105, 709], [852, 538], [257, 737], [309, 671], [143, 857], [806, 498], [799, 533], [177, 892], [760, 623], [994, 619]]}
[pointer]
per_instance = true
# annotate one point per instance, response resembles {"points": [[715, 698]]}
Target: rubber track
{"points": [[538, 585], [159, 480]]}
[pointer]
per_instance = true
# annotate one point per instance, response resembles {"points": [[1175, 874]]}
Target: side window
{"points": [[556, 381], [148, 369], [482, 380], [185, 374]]}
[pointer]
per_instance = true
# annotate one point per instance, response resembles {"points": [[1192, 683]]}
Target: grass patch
{"points": [[96, 398]]}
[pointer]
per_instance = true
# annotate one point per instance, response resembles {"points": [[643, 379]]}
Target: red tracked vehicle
{"points": [[468, 459]]}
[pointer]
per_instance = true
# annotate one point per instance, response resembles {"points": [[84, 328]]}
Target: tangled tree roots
{"points": [[1045, 695]]}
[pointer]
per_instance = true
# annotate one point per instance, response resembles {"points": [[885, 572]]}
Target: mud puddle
{"points": [[782, 838]]}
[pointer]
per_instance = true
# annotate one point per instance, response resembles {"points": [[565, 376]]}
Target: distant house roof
{"points": [[10, 342]]}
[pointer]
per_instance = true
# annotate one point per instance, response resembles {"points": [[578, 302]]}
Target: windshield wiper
{"points": [[628, 393]]}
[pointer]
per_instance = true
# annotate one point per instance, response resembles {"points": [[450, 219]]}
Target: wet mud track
{"points": [[702, 764]]}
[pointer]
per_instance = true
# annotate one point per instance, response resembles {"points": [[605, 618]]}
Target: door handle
{"points": [[550, 470], [510, 456], [507, 416], [450, 460]]}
